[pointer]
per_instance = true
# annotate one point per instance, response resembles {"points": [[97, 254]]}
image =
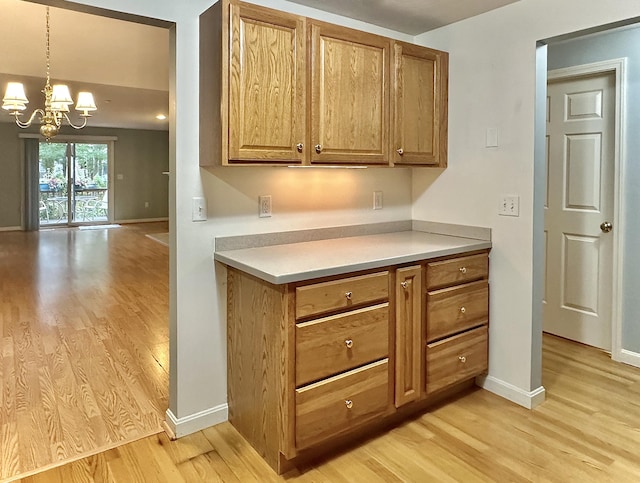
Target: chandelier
{"points": [[57, 100]]}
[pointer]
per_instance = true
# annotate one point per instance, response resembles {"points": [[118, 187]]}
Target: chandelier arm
{"points": [[28, 122], [84, 121]]}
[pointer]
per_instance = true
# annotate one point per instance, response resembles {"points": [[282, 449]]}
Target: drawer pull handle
{"points": [[463, 270], [462, 310], [400, 151], [318, 148], [462, 359], [348, 343], [299, 147], [348, 403], [404, 284], [348, 295]]}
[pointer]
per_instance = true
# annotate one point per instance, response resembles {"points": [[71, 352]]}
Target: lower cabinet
{"points": [[336, 405], [456, 358], [313, 361]]}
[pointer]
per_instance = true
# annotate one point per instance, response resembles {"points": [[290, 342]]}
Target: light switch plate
{"points": [[198, 209], [509, 205], [492, 137]]}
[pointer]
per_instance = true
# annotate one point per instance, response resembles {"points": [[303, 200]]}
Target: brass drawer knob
{"points": [[400, 151], [462, 359], [299, 147], [462, 310], [348, 343], [348, 295], [318, 148], [348, 403], [463, 270], [404, 284]]}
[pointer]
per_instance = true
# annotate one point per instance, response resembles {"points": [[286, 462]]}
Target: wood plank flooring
{"points": [[588, 430], [84, 349]]}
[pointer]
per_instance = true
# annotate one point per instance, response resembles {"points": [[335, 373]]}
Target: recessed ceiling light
{"points": [[161, 117]]}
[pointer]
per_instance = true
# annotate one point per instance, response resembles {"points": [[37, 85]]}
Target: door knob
{"points": [[606, 226]]}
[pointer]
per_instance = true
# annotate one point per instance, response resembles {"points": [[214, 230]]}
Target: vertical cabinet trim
{"points": [[408, 334]]}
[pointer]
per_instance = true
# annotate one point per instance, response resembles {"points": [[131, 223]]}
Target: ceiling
{"points": [[126, 64], [412, 17]]}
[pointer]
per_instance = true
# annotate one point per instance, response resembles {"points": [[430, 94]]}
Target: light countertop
{"points": [[294, 262]]}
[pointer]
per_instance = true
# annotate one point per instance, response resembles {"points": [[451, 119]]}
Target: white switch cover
{"points": [[119, 176], [509, 205], [492, 137], [198, 209]]}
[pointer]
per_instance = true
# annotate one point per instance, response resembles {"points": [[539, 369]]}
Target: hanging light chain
{"points": [[48, 48]]}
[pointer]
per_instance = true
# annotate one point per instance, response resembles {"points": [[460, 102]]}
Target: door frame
{"points": [[618, 68]]}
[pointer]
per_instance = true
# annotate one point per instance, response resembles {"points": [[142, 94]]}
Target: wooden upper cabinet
{"points": [[420, 98], [349, 95], [279, 89], [266, 85]]}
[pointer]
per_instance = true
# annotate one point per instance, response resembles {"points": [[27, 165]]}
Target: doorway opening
{"points": [[582, 55]]}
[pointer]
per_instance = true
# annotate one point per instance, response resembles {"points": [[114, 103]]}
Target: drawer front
{"points": [[341, 342], [456, 359], [341, 403], [455, 309], [457, 270], [345, 293]]}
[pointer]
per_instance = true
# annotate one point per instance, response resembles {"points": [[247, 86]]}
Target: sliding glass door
{"points": [[74, 183]]}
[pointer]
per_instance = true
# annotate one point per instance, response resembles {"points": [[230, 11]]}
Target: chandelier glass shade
{"points": [[57, 100]]}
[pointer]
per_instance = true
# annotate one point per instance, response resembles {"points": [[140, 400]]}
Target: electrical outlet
{"points": [[509, 205], [264, 206], [146, 204], [377, 200]]}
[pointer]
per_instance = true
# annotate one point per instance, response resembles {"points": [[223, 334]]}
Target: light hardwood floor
{"points": [[84, 349], [588, 430]]}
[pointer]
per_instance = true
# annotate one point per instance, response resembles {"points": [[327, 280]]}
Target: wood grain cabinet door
{"points": [[408, 334], [349, 96], [266, 86], [420, 114]]}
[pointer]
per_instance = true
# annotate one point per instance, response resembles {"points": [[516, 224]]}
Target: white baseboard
{"points": [[10, 228], [627, 357], [142, 220], [195, 422], [528, 399]]}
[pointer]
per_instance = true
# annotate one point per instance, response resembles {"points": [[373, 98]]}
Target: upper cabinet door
{"points": [[349, 96], [266, 86], [420, 97]]}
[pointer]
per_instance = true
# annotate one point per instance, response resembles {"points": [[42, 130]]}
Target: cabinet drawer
{"points": [[456, 359], [341, 403], [455, 309], [341, 294], [457, 270], [340, 342]]}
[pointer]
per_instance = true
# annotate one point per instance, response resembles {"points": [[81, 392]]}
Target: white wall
{"points": [[492, 82], [302, 198]]}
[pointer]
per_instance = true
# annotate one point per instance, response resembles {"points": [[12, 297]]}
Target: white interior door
{"points": [[580, 198]]}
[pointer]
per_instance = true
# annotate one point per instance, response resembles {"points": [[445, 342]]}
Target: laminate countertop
{"points": [[294, 262]]}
